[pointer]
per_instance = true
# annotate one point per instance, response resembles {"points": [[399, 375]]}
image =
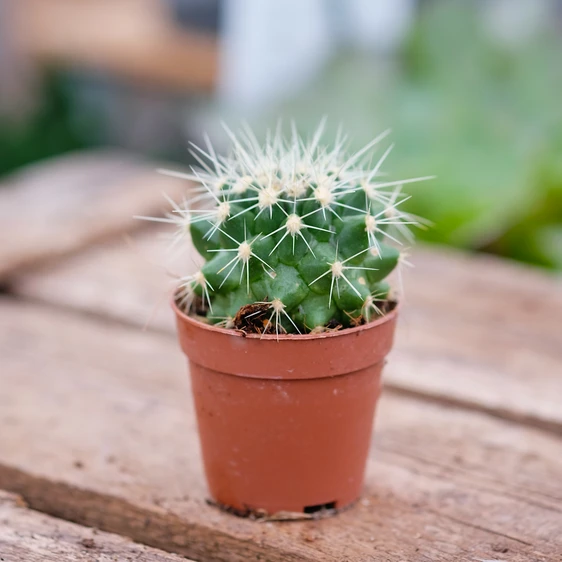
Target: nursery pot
{"points": [[285, 422]]}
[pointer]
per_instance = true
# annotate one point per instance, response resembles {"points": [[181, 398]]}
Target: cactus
{"points": [[302, 234]]}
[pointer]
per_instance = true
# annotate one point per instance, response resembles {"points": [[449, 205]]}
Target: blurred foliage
{"points": [[53, 127], [484, 117]]}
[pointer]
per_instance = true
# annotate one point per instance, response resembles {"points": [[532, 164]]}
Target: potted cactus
{"points": [[287, 324]]}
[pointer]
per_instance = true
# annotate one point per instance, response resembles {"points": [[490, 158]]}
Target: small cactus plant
{"points": [[295, 237]]}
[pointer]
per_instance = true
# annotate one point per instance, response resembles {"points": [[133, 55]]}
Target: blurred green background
{"points": [[483, 115], [485, 118]]}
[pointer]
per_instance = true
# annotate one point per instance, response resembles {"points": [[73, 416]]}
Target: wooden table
{"points": [[98, 446]]}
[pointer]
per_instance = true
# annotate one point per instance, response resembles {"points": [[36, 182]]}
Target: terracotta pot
{"points": [[285, 425]]}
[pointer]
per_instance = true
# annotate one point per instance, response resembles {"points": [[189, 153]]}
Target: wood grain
{"points": [[58, 206], [30, 536], [513, 296], [487, 333], [475, 331], [97, 427]]}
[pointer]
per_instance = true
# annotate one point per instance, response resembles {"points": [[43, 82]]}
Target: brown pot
{"points": [[285, 424]]}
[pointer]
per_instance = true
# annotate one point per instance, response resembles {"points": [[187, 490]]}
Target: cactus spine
{"points": [[295, 227]]}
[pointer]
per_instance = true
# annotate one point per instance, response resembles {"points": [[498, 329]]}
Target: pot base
{"points": [[262, 515], [285, 445]]}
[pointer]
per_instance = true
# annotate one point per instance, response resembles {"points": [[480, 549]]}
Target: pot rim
{"points": [[283, 337]]}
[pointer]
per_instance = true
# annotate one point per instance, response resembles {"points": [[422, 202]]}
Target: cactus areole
{"points": [[287, 323]]}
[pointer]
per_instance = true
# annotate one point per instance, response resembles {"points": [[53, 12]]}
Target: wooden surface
{"points": [[60, 205], [132, 38], [97, 425], [118, 450], [30, 536], [128, 278]]}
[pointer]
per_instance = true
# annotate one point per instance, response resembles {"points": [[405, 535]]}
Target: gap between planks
{"points": [[27, 535]]}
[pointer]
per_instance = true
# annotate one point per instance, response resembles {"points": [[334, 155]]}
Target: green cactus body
{"points": [[296, 228]]}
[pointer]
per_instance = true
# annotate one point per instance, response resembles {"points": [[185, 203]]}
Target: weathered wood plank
{"points": [[470, 325], [127, 278], [98, 428], [480, 325], [58, 206], [510, 295], [30, 536]]}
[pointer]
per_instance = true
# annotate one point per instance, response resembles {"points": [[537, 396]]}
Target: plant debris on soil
{"points": [[254, 319], [332, 326]]}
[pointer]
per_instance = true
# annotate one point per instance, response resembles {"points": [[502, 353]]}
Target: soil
{"points": [[332, 326], [254, 318], [199, 307]]}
